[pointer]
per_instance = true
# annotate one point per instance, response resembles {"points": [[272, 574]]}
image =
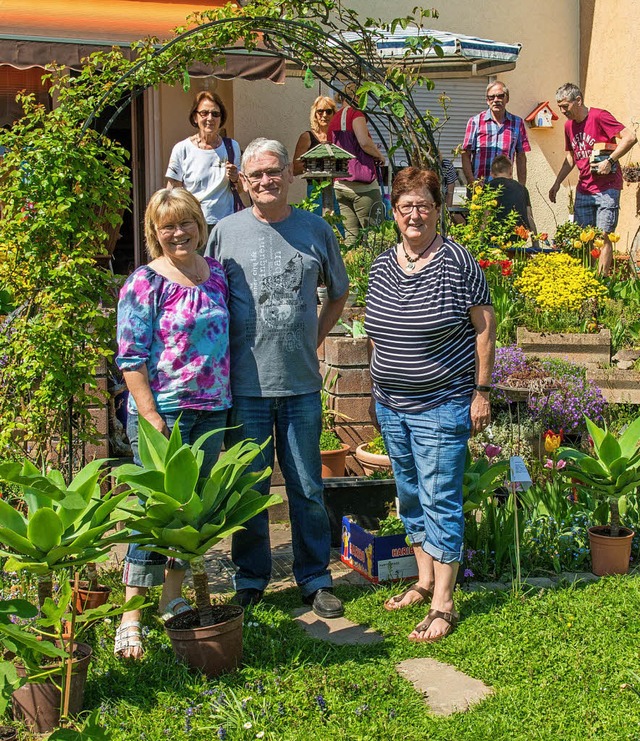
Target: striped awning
{"points": [[459, 52]]}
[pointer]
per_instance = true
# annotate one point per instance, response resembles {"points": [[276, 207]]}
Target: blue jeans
{"points": [[146, 568], [295, 421], [427, 451], [598, 209]]}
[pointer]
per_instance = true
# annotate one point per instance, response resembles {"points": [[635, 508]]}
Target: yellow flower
{"points": [[587, 236], [613, 237], [475, 207], [493, 202], [477, 190], [577, 244], [599, 243], [552, 442]]}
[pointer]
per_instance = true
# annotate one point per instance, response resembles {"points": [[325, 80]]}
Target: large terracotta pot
{"points": [[214, 649], [610, 555], [38, 705], [372, 462], [334, 462]]}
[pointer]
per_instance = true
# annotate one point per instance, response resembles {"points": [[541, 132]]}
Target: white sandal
{"points": [[128, 636], [176, 607]]}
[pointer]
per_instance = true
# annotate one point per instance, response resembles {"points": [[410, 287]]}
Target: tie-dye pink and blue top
{"points": [[181, 333]]}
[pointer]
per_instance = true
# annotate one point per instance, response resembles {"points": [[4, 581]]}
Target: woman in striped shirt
{"points": [[432, 330]]}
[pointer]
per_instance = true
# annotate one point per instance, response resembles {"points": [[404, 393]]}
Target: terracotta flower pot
{"points": [[38, 705], [334, 462], [214, 649], [89, 598], [372, 462], [610, 555]]}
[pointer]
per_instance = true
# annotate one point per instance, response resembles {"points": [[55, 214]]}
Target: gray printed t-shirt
{"points": [[273, 272]]}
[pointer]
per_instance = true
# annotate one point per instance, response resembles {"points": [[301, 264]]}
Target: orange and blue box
{"points": [[377, 557]]}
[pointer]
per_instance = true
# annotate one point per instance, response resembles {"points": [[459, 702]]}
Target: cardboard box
{"points": [[377, 557]]}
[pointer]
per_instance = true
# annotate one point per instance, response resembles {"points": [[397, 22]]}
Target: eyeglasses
{"points": [[169, 229], [272, 174], [324, 112], [497, 96], [406, 209], [213, 114]]}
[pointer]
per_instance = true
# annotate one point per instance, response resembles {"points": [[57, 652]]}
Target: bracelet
{"points": [[611, 160], [483, 388]]}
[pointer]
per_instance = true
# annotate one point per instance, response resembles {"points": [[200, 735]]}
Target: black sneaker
{"points": [[325, 604], [247, 597]]}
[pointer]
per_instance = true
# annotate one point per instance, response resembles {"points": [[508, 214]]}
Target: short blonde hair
{"points": [[323, 101], [168, 205]]}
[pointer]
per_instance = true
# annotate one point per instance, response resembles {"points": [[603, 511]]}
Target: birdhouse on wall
{"points": [[542, 117]]}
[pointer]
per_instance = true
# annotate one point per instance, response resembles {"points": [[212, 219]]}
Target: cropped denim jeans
{"points": [[294, 422], [146, 568], [427, 451]]}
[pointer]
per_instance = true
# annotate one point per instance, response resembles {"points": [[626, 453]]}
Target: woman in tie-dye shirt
{"points": [[173, 350]]}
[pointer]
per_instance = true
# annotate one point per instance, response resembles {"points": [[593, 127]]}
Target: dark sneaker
{"points": [[325, 604], [247, 597]]}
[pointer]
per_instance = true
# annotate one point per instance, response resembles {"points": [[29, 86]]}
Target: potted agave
{"points": [[180, 513], [609, 473], [62, 527]]}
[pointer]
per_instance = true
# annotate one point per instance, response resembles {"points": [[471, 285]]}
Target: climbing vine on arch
{"points": [[65, 183]]}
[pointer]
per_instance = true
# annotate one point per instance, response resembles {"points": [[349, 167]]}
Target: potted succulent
{"points": [[609, 473], [373, 457], [180, 513]]}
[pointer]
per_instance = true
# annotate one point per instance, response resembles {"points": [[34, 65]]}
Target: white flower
{"points": [[260, 734], [248, 725]]}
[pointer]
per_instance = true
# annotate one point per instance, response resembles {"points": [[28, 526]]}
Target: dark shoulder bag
{"points": [[238, 205]]}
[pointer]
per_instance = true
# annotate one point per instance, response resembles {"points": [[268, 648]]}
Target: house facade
{"points": [[590, 42]]}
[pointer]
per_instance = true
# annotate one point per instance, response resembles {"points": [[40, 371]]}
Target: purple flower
{"points": [[491, 451], [468, 574]]}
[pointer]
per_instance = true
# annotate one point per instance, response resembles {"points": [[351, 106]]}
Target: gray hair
{"points": [[497, 82], [569, 92], [260, 145]]}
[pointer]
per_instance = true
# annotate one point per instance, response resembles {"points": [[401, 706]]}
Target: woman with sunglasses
{"points": [[432, 329], [322, 111], [205, 164]]}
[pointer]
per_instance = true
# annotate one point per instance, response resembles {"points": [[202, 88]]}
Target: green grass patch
{"points": [[556, 660]]}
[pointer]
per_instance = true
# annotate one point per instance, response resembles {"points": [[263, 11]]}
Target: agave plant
{"points": [[612, 471], [64, 526], [183, 514]]}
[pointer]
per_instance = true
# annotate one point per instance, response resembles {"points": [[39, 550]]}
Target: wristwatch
{"points": [[483, 388], [611, 160]]}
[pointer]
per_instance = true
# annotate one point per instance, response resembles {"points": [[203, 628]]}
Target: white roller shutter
{"points": [[467, 97]]}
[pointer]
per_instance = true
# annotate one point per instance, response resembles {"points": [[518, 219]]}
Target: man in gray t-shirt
{"points": [[275, 256]]}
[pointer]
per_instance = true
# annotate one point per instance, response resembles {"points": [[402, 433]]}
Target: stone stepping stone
{"points": [[340, 631], [445, 689]]}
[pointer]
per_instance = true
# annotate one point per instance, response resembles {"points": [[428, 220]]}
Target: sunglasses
{"points": [[497, 96], [213, 114], [324, 111]]}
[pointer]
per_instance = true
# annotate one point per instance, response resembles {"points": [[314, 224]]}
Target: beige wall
{"points": [[550, 34], [609, 78]]}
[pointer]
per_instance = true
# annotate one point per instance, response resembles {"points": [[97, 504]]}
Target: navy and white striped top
{"points": [[424, 341]]}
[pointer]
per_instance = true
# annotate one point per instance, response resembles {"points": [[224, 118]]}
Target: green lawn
{"points": [[556, 659]]}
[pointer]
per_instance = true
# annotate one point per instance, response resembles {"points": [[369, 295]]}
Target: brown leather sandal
{"points": [[451, 618], [425, 594]]}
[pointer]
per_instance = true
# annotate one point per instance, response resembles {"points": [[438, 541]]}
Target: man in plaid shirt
{"points": [[494, 132]]}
